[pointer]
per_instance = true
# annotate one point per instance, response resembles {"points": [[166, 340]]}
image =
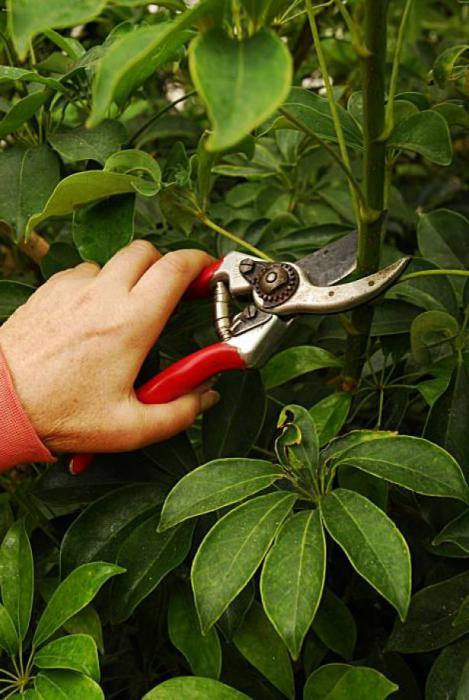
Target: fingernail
{"points": [[209, 399]]}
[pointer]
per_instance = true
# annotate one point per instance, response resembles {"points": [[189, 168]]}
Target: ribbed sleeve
{"points": [[18, 440]]}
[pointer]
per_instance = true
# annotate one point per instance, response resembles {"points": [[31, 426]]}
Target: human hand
{"points": [[75, 348]]}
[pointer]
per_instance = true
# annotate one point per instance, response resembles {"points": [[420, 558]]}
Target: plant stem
{"points": [[389, 124], [374, 169], [159, 114], [431, 273], [233, 237], [332, 103]]}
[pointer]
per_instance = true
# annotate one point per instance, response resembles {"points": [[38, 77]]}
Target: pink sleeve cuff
{"points": [[19, 441]]}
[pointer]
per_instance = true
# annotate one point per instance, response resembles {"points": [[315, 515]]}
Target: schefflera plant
{"points": [[281, 517], [43, 662]]}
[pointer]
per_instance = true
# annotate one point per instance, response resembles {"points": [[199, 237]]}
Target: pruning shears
{"points": [[278, 292]]}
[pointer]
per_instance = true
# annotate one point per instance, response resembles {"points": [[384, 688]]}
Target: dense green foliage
{"points": [[309, 537]]}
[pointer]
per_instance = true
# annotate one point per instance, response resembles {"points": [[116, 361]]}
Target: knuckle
{"points": [[140, 245], [184, 263]]}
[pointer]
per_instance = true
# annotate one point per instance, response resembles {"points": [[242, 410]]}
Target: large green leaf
{"points": [[260, 644], [229, 430], [76, 652], [426, 133], [190, 688], [338, 447], [21, 111], [104, 228], [329, 415], [443, 237], [23, 193], [17, 576], [432, 614], [216, 485], [456, 531], [293, 577], [258, 71], [101, 528], [9, 639], [72, 595], [202, 651], [13, 295], [342, 682], [412, 462], [335, 626], [28, 18], [66, 685], [449, 417], [147, 556], [372, 543], [232, 550], [89, 144], [445, 677], [293, 362], [313, 112], [134, 56]]}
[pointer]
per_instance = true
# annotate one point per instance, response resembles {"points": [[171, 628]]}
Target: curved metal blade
{"points": [[332, 263]]}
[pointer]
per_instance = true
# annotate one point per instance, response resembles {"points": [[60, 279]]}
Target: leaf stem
{"points": [[232, 236], [431, 273], [389, 121], [159, 114]]}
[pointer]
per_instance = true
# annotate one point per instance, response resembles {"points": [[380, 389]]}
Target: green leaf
{"points": [[77, 652], [9, 640], [234, 615], [445, 64], [83, 188], [412, 462], [338, 447], [232, 550], [216, 485], [101, 230], [462, 617], [426, 133], [28, 18], [293, 577], [449, 417], [61, 256], [86, 622], [442, 238], [228, 430], [72, 595], [21, 111], [66, 685], [148, 557], [376, 490], [446, 673], [82, 143], [23, 193], [297, 446], [454, 113], [373, 544], [430, 623], [11, 74], [309, 109], [13, 295], [139, 163], [100, 529], [329, 415], [431, 293], [260, 644], [132, 58], [258, 71], [456, 532], [202, 652], [431, 328], [190, 688], [335, 626], [17, 576], [293, 362], [342, 682]]}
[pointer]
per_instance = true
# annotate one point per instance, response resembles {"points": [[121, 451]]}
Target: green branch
{"points": [[232, 236], [389, 122], [432, 273]]}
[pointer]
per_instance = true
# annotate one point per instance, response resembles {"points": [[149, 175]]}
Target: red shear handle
{"points": [[201, 287], [180, 378]]}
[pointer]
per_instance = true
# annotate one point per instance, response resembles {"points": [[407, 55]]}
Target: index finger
{"points": [[164, 283]]}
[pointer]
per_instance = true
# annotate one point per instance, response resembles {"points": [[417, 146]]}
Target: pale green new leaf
{"points": [[257, 68], [72, 595], [445, 64], [342, 682], [293, 577], [232, 551], [202, 651], [9, 639], [293, 362], [66, 685], [192, 688], [297, 446], [17, 576], [76, 652], [412, 462], [373, 544], [215, 485], [260, 644], [426, 133], [329, 415], [134, 162]]}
